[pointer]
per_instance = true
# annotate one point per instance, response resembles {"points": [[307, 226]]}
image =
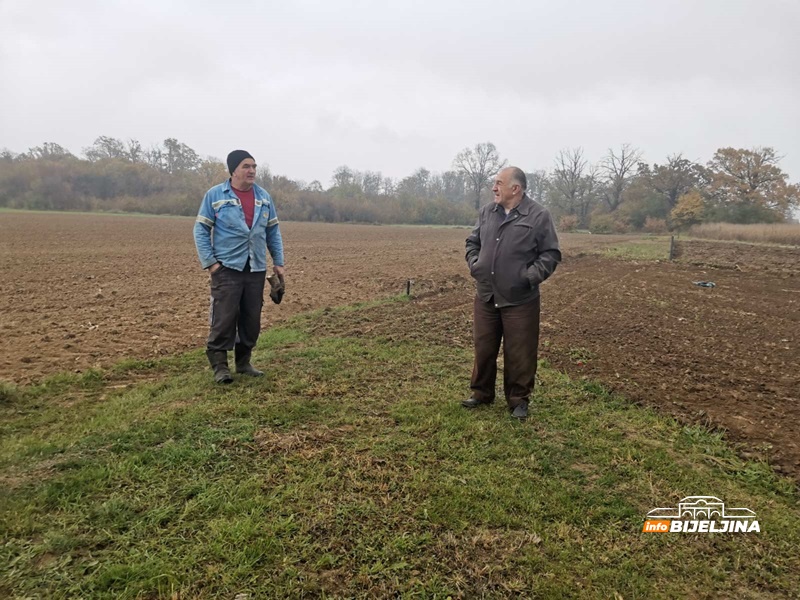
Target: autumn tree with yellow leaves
{"points": [[689, 210], [748, 186]]}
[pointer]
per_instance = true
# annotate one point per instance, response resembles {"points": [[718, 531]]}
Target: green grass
{"points": [[350, 470], [655, 248]]}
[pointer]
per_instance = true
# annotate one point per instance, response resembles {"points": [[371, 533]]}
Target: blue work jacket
{"points": [[233, 242]]}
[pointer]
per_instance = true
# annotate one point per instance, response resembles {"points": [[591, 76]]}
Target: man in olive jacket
{"points": [[513, 248]]}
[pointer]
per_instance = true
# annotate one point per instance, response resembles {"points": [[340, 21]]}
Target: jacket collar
{"points": [[524, 207], [260, 192]]}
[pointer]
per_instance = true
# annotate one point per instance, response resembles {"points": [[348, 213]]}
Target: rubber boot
{"points": [[243, 365], [219, 362]]}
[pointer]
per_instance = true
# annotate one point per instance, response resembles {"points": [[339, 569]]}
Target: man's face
{"points": [[244, 176], [504, 189]]}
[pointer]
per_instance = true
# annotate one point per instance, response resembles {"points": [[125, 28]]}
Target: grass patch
{"points": [[8, 393], [655, 248], [350, 470], [580, 354]]}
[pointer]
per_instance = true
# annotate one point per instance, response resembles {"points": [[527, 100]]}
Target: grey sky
{"points": [[390, 86]]}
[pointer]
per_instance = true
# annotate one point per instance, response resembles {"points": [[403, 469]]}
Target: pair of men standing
{"points": [[512, 249]]}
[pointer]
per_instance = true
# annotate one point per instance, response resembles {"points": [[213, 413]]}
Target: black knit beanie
{"points": [[236, 157]]}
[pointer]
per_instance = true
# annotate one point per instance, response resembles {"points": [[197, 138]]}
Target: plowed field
{"points": [[80, 291]]}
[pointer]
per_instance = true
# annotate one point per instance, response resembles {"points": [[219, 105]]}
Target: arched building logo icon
{"points": [[701, 514]]}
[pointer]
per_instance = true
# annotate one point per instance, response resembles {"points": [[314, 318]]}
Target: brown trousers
{"points": [[518, 328]]}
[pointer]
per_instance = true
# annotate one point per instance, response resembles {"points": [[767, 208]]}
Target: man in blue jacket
{"points": [[245, 224]]}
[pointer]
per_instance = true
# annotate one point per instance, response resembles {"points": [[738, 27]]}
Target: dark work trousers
{"points": [[236, 301], [518, 328]]}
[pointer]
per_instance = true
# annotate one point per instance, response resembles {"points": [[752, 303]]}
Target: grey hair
{"points": [[518, 175]]}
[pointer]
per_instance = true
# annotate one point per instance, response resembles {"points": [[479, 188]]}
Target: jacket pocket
{"points": [[521, 284], [477, 270], [524, 235], [229, 214]]}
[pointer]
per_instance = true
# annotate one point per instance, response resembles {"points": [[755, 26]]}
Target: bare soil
{"points": [[80, 291]]}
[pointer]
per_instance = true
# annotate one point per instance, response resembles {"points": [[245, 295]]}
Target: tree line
{"points": [[621, 192], [617, 193]]}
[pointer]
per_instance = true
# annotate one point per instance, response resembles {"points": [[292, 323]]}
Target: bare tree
{"points": [[537, 185], [416, 184], [105, 147], [179, 157], [343, 177], [436, 186], [372, 181], [7, 155], [134, 151], [479, 165], [388, 186], [454, 186], [154, 157], [573, 185], [49, 150], [315, 186], [264, 176], [617, 171]]}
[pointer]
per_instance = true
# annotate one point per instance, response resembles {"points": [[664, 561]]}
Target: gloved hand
{"points": [[277, 288]]}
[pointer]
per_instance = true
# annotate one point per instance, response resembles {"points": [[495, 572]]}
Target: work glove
{"points": [[277, 288]]}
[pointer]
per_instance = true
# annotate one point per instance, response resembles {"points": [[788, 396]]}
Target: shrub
{"points": [[602, 224], [568, 223], [621, 225], [652, 225], [605, 223]]}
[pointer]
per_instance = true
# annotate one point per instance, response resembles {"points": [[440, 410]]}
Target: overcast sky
{"points": [[391, 86]]}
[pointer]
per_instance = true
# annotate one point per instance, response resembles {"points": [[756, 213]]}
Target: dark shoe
{"points": [[222, 374], [248, 369], [219, 362], [520, 411], [243, 366], [473, 403]]}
